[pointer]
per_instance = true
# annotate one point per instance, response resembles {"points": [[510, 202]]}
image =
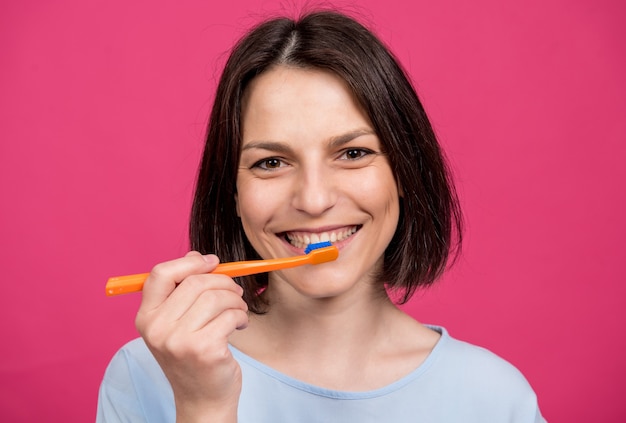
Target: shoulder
{"points": [[476, 376], [132, 360], [135, 385], [474, 363]]}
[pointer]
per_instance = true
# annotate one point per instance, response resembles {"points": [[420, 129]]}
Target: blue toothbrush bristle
{"points": [[317, 245]]}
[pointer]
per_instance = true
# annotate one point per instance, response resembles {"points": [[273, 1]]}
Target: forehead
{"points": [[288, 101]]}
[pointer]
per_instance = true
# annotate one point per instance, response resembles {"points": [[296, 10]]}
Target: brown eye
{"points": [[354, 154], [271, 164]]}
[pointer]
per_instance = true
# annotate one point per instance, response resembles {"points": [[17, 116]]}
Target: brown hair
{"points": [[430, 225]]}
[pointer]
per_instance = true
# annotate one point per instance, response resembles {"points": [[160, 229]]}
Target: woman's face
{"points": [[312, 169]]}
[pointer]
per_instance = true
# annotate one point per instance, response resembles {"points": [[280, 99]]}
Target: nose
{"points": [[314, 191]]}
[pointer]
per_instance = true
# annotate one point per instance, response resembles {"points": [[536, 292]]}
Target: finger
{"points": [[221, 327], [190, 289], [165, 276], [209, 306]]}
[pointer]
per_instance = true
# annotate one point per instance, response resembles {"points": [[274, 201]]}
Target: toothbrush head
{"points": [[322, 253], [316, 246]]}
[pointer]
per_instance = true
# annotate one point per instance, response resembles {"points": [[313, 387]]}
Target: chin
{"points": [[320, 283]]}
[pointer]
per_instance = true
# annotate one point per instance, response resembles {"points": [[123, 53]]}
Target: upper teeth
{"points": [[301, 239]]}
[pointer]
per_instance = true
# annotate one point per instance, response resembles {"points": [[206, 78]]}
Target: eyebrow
{"points": [[276, 146], [280, 147], [338, 141]]}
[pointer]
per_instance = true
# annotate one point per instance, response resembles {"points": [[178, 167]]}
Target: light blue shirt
{"points": [[458, 382]]}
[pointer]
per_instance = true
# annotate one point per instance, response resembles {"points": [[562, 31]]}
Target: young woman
{"points": [[316, 134]]}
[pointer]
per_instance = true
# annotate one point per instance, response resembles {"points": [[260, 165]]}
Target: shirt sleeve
{"points": [[117, 398], [135, 389]]}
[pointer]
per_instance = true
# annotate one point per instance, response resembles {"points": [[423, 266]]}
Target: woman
{"points": [[316, 133]]}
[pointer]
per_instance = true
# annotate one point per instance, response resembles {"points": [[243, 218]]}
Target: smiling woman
{"points": [[316, 135], [429, 227], [323, 176]]}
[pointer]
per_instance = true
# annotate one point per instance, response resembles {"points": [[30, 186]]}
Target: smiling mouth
{"points": [[303, 239]]}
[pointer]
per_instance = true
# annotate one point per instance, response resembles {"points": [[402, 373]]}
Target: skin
{"points": [[310, 164], [186, 316]]}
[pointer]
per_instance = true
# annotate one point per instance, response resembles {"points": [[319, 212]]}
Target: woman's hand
{"points": [[186, 316]]}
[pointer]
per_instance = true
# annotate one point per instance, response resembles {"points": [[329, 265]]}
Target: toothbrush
{"points": [[317, 253]]}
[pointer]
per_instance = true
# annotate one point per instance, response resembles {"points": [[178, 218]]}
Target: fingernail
{"points": [[211, 258]]}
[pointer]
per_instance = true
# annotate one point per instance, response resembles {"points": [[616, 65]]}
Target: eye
{"points": [[355, 153], [270, 163]]}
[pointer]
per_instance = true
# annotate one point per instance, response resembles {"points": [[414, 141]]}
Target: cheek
{"points": [[246, 202], [379, 193], [255, 206]]}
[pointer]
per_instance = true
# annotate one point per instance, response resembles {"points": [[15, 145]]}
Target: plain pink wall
{"points": [[102, 111]]}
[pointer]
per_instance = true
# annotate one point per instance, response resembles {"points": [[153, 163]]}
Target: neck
{"points": [[349, 342], [304, 326]]}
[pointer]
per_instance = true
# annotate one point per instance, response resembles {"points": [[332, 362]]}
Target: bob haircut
{"points": [[429, 229]]}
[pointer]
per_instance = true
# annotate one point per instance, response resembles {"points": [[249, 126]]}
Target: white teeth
{"points": [[301, 240]]}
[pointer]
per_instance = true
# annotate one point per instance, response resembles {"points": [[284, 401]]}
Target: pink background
{"points": [[102, 112]]}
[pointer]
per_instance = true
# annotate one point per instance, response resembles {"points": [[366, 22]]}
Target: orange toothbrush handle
{"points": [[134, 283], [125, 284], [244, 268]]}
